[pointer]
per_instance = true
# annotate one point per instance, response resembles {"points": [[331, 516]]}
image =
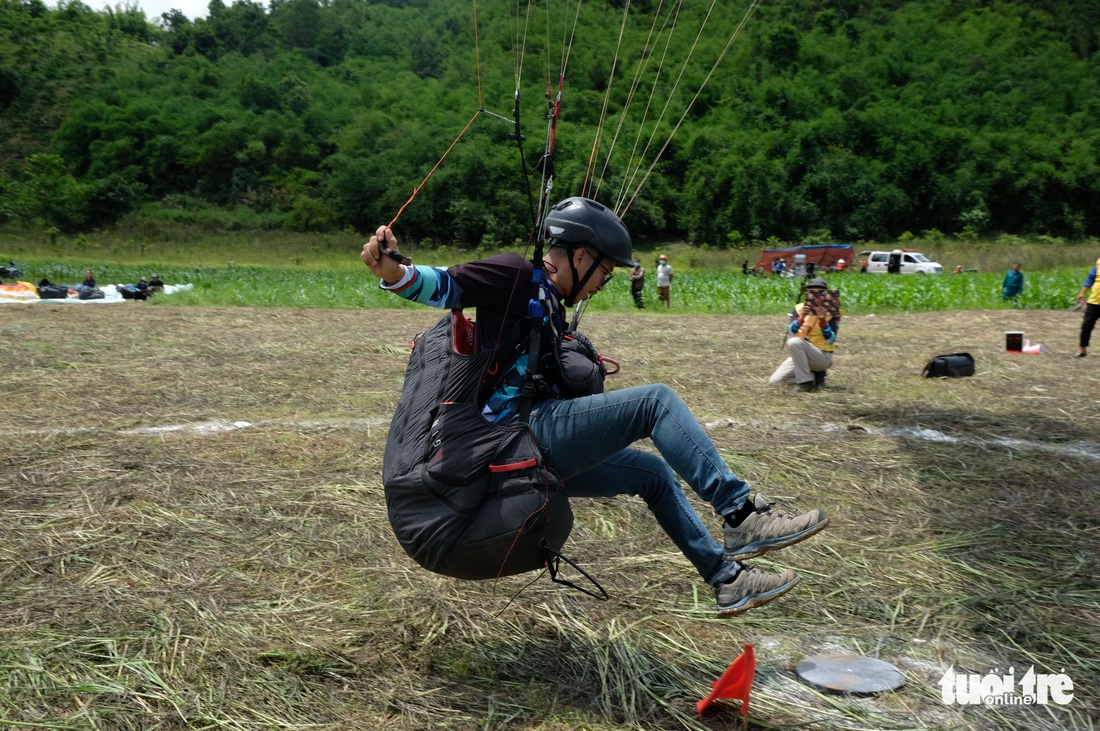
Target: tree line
{"points": [[829, 120]]}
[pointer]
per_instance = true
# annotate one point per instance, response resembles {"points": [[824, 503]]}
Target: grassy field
{"points": [[282, 269], [699, 289], [195, 532]]}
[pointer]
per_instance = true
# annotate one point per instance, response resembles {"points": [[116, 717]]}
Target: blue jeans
{"points": [[586, 441]]}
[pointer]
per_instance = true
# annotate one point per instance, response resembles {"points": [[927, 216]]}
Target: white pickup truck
{"points": [[899, 261]]}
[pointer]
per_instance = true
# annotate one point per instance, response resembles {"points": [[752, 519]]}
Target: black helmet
{"points": [[579, 221]]}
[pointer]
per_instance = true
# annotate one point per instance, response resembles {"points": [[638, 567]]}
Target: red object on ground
{"points": [[736, 682]]}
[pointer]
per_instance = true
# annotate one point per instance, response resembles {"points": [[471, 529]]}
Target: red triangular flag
{"points": [[736, 682]]}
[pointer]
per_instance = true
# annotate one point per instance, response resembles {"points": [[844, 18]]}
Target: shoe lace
{"points": [[768, 508], [745, 572], [772, 510], [753, 580]]}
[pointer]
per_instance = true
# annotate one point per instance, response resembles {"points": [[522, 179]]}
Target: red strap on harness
{"points": [[513, 466]]}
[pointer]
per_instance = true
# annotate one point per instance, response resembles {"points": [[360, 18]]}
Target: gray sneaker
{"points": [[764, 529], [752, 588]]}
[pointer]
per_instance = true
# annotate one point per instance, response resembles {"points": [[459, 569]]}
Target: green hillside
{"points": [[800, 121]]}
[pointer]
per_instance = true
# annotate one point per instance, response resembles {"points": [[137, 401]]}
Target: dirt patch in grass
{"points": [[195, 532]]}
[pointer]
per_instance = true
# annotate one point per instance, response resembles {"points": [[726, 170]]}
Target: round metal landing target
{"points": [[844, 673]]}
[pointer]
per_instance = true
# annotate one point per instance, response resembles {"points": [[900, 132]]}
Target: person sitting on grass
{"points": [[587, 440]]}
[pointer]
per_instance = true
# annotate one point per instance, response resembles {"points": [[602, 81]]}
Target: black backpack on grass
{"points": [[131, 292], [47, 290], [952, 365], [467, 498], [90, 293]]}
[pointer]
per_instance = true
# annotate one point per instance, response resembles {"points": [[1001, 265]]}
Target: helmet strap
{"points": [[578, 280]]}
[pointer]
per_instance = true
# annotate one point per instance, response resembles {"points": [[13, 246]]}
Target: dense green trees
{"points": [[835, 118]]}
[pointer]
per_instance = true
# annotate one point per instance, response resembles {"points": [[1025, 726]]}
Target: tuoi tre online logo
{"points": [[994, 689]]}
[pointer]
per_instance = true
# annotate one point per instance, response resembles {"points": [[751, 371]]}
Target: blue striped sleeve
{"points": [[431, 286]]}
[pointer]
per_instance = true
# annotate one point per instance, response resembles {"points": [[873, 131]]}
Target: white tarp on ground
{"points": [[111, 293]]}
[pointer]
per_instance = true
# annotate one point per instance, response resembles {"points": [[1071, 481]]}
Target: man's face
{"points": [[585, 260]]}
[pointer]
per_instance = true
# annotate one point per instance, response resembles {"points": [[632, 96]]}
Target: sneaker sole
{"points": [[756, 600], [759, 548]]}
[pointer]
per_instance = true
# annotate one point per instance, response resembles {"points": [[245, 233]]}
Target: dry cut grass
{"points": [[195, 534]]}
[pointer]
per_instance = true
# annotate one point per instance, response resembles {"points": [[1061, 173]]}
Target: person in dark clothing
{"points": [[1013, 284], [637, 284], [587, 439]]}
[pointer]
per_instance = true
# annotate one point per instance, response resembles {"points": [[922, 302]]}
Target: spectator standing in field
{"points": [[1013, 284], [664, 280], [1090, 295], [89, 279], [637, 284]]}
